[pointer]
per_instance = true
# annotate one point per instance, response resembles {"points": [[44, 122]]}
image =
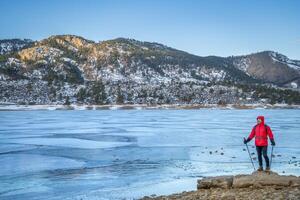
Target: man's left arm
{"points": [[271, 136]]}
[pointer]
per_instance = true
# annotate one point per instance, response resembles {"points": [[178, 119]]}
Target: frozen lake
{"points": [[127, 154]]}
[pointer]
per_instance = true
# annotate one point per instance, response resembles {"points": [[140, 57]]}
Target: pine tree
{"points": [[67, 101], [81, 94], [98, 91]]}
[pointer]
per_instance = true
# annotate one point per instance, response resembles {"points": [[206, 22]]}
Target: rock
{"points": [[256, 180], [215, 182], [264, 179]]}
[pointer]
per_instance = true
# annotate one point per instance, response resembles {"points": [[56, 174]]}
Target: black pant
{"points": [[262, 150]]}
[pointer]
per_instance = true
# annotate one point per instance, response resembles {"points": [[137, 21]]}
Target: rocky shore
{"points": [[258, 185], [12, 106]]}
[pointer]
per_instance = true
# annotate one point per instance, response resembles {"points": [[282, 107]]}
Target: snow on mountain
{"points": [[7, 46], [276, 57], [243, 64]]}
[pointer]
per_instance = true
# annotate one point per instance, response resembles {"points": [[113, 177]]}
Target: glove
{"points": [[246, 140], [272, 142]]}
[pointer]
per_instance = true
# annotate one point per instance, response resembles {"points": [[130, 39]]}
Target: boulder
{"points": [[215, 182], [258, 179]]}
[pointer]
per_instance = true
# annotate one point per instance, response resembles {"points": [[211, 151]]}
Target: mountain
{"points": [[270, 67], [65, 69]]}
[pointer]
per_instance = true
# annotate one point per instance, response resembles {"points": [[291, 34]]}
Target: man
{"points": [[261, 132]]}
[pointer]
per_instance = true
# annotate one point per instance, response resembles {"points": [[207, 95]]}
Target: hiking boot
{"points": [[268, 169], [260, 169]]}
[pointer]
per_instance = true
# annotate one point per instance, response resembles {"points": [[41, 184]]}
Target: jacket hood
{"points": [[262, 118]]}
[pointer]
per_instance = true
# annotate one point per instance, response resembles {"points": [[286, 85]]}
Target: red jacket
{"points": [[261, 133]]}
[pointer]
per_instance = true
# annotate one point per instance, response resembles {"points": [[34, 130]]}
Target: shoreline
{"points": [[18, 107], [258, 185]]}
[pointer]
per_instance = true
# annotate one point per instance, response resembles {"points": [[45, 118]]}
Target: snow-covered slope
{"points": [[269, 66], [277, 57], [68, 68], [8, 46]]}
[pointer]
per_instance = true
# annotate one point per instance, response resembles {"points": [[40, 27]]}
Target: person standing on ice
{"points": [[261, 131]]}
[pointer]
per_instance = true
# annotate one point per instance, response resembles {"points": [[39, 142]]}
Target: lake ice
{"points": [[117, 154]]}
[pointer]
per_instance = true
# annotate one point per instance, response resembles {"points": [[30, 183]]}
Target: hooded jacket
{"points": [[261, 133]]}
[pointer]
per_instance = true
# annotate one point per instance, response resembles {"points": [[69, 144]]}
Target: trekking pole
{"points": [[250, 156], [271, 156]]}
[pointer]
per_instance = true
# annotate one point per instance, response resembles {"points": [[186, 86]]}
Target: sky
{"points": [[210, 27]]}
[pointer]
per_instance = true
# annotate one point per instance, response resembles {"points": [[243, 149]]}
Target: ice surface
{"points": [[23, 163], [66, 142], [126, 154], [142, 189]]}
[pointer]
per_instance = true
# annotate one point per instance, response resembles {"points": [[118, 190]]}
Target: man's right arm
{"points": [[252, 134]]}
